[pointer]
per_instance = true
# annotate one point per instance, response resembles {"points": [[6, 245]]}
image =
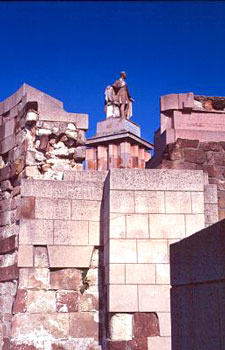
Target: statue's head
{"points": [[123, 74]]}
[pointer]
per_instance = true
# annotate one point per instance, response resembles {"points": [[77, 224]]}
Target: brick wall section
{"points": [[198, 279], [59, 261], [148, 210], [206, 156]]}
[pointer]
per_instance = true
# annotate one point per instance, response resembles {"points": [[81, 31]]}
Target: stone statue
{"points": [[118, 102]]}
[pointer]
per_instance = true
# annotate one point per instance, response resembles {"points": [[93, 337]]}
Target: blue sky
{"points": [[72, 50]]}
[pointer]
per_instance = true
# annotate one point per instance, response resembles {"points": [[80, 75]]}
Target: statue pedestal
{"points": [[117, 144]]}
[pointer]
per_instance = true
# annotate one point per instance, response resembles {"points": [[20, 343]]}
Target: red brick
{"points": [[194, 156], [9, 273], [66, 279], [28, 207], [8, 244], [185, 143], [67, 301], [146, 325], [135, 344], [20, 304]]}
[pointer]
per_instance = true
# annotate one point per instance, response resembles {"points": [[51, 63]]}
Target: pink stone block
{"points": [[122, 201], [37, 232], [167, 226], [140, 273], [165, 324], [86, 210], [116, 274], [94, 233], [117, 225], [70, 256], [154, 298], [152, 251], [137, 226], [197, 200], [70, 232], [168, 102], [162, 274], [156, 343], [122, 251], [25, 256], [47, 208], [123, 298], [41, 300], [178, 202], [149, 202], [194, 223]]}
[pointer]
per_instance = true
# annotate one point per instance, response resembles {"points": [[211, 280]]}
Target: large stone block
{"points": [[140, 273], [8, 244], [20, 304], [162, 274], [41, 301], [66, 279], [178, 202], [137, 226], [152, 251], [194, 223], [146, 325], [70, 256], [167, 225], [30, 278], [156, 343], [41, 257], [135, 344], [9, 273], [36, 232], [149, 202], [121, 327], [197, 201], [70, 232], [154, 298], [122, 201], [89, 302], [116, 274], [156, 180], [86, 210], [117, 225], [122, 298], [47, 208], [94, 234], [83, 325], [123, 251], [25, 256], [164, 324], [67, 301], [28, 207]]}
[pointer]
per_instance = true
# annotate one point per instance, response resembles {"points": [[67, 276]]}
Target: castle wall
{"points": [[198, 290]]}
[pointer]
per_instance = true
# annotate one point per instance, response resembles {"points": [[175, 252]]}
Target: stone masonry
{"points": [[84, 254]]}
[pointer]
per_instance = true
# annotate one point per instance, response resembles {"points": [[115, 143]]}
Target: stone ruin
{"points": [[84, 254]]}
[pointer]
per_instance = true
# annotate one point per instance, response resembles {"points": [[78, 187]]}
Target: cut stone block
{"points": [[164, 324], [67, 301], [86, 210], [36, 232], [123, 298], [123, 251], [94, 233], [117, 225], [167, 226], [140, 274], [149, 202], [83, 325], [70, 232], [178, 202], [162, 274], [146, 325], [122, 201], [137, 226], [156, 343], [40, 300], [47, 208], [25, 256], [40, 257], [30, 278], [152, 251], [68, 256], [197, 200], [194, 223], [154, 298], [121, 327], [116, 274], [66, 279]]}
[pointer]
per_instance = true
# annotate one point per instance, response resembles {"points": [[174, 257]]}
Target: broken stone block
{"points": [[146, 325], [20, 304], [30, 278], [121, 327], [66, 279], [67, 301], [40, 257]]}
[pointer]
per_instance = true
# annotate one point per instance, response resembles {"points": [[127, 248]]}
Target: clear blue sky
{"points": [[72, 50]]}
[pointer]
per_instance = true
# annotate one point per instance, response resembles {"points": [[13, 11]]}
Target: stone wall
{"points": [[145, 211], [198, 290]]}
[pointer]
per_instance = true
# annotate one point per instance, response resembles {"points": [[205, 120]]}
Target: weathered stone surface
{"points": [[66, 279], [149, 202], [28, 207], [40, 257], [67, 301], [20, 304], [122, 201], [121, 327], [210, 146], [135, 344], [31, 278], [8, 244], [89, 301], [9, 273], [70, 232], [86, 210], [194, 156], [25, 256], [185, 143], [83, 325], [47, 208], [70, 256], [146, 325], [41, 300], [38, 232]]}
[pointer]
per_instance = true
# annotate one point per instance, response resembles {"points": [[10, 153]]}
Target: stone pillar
{"points": [[102, 153], [113, 156], [135, 156], [91, 154], [141, 159], [125, 154]]}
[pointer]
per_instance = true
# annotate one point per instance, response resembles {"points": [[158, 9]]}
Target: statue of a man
{"points": [[118, 102]]}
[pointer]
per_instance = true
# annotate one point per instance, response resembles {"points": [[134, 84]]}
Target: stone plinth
{"points": [[117, 144]]}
